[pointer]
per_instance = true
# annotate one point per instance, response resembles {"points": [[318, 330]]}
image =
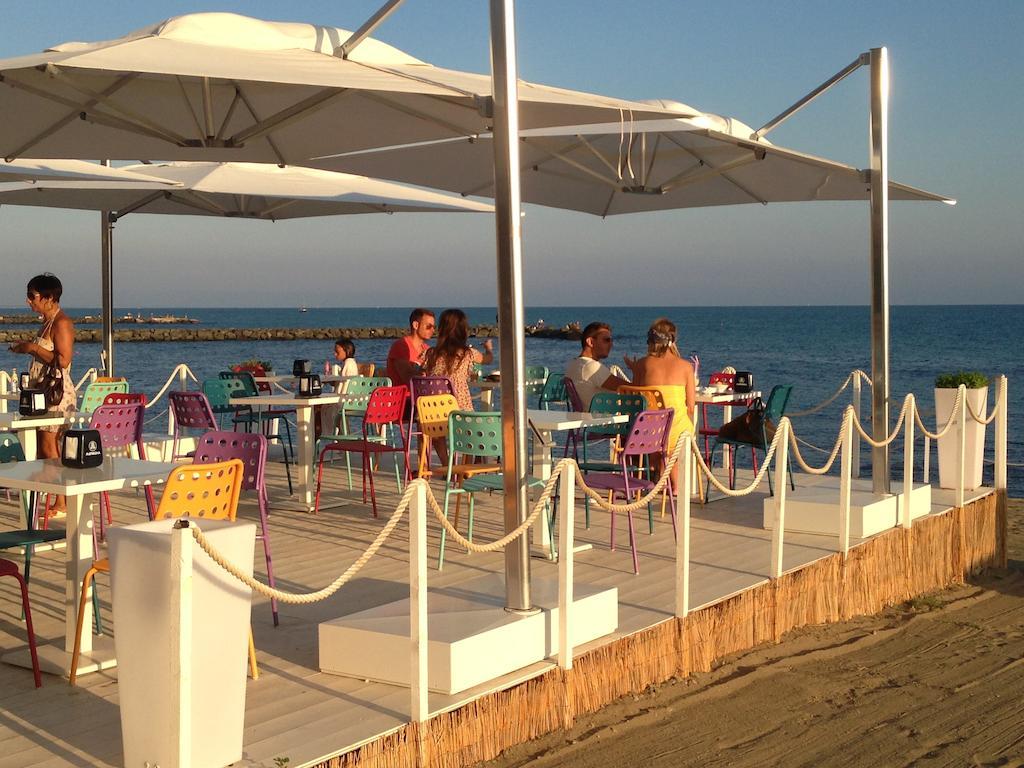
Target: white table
{"points": [[291, 380], [544, 424], [487, 388], [306, 437], [26, 426], [50, 476], [726, 400]]}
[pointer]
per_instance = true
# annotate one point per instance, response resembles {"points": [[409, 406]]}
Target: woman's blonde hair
{"points": [[661, 337]]}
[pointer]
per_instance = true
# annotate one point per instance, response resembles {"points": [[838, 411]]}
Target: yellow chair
{"points": [[366, 369], [203, 491], [432, 412]]}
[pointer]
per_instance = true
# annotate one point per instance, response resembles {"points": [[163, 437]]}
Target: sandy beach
{"points": [[935, 681]]}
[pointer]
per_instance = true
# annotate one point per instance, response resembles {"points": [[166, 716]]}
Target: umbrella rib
{"points": [[723, 174], [581, 168], [691, 176], [142, 203], [287, 115], [59, 74], [240, 94], [416, 79], [455, 129], [76, 109], [230, 113], [649, 167], [188, 105], [200, 203], [271, 209], [208, 106]]}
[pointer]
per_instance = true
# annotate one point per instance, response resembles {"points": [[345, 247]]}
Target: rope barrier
{"points": [[784, 425], [822, 405], [847, 415], [170, 379], [896, 430], [1000, 383], [949, 423]]}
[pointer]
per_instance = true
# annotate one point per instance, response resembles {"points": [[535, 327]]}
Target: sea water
{"points": [[812, 348]]}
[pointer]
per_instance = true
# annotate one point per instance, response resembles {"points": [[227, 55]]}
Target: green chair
{"points": [[773, 411], [357, 390], [553, 392], [97, 391], [536, 378], [475, 434]]}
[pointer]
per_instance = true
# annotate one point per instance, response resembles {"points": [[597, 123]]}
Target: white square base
{"points": [[815, 509], [158, 447], [472, 638]]}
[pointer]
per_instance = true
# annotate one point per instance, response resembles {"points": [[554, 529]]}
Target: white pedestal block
{"points": [[158, 447], [815, 509], [144, 611], [472, 638]]}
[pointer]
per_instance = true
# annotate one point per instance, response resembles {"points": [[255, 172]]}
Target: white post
{"points": [[856, 434], [566, 530], [780, 499], [999, 472], [845, 483], [5, 387], [908, 459], [961, 426], [683, 528], [926, 469], [418, 638], [181, 642]]}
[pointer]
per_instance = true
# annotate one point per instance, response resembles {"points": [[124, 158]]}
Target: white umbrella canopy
{"points": [[218, 86], [616, 168], [21, 172], [239, 190]]}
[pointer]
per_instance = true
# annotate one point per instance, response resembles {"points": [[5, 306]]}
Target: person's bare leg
{"points": [[49, 448]]}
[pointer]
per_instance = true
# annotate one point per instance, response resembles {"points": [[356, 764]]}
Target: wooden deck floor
{"points": [[295, 711]]}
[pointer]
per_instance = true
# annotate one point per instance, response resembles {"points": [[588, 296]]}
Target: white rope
{"points": [[812, 446], [1000, 383], [170, 380], [784, 423], [907, 404], [957, 404], [158, 417], [847, 415], [824, 404]]}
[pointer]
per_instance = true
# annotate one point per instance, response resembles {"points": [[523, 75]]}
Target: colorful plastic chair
{"points": [[706, 431], [9, 568], [386, 408], [125, 398], [264, 416], [613, 403], [366, 369], [432, 416], [774, 409], [251, 450], [120, 428], [97, 391], [420, 386], [474, 434], [536, 376], [191, 411], [208, 492], [648, 435], [357, 391], [553, 392]]}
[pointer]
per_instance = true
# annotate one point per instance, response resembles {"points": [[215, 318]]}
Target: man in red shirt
{"points": [[406, 355]]}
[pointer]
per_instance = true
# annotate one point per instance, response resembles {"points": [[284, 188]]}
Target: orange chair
{"points": [[203, 491], [366, 369]]}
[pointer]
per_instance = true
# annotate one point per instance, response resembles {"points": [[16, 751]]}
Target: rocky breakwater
{"points": [[192, 333]]}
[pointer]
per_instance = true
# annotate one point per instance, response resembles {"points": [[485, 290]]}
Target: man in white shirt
{"points": [[587, 371]]}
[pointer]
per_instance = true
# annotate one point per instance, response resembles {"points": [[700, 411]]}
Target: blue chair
{"points": [[774, 409], [553, 392], [608, 403]]}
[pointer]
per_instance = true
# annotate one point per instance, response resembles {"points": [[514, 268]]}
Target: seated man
{"points": [[587, 372], [405, 358]]}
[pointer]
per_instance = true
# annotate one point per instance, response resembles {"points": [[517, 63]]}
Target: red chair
{"points": [[385, 408], [706, 431], [8, 568], [125, 398]]}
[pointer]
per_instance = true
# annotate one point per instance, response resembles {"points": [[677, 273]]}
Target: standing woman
{"points": [[54, 345]]}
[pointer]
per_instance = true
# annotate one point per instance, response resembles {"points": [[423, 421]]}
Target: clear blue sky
{"points": [[956, 117]]}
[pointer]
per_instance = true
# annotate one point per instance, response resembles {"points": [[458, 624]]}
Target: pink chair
{"points": [[706, 431], [385, 408], [125, 398], [120, 428], [191, 411], [8, 568], [648, 435], [251, 449]]}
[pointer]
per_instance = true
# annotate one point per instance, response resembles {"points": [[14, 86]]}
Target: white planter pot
{"points": [[949, 445]]}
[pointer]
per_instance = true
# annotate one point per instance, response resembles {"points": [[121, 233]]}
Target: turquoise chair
{"points": [[97, 391], [553, 392], [473, 434], [617, 404], [536, 378]]}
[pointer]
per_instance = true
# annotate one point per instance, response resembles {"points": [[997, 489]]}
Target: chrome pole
{"points": [[879, 266], [107, 287], [510, 298]]}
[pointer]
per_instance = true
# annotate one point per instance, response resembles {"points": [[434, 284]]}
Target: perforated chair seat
{"points": [[493, 481]]}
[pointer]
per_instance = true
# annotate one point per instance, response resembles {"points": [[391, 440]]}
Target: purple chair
{"points": [[420, 386], [251, 449], [648, 436], [191, 411], [120, 428], [575, 404]]}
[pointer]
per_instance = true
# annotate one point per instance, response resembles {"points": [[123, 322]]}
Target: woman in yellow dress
{"points": [[663, 369]]}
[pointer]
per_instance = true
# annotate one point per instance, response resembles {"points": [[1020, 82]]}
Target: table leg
{"points": [[542, 470], [307, 447], [77, 560], [29, 446], [726, 418]]}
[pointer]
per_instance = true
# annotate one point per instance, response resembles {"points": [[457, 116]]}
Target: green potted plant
{"points": [[946, 386]]}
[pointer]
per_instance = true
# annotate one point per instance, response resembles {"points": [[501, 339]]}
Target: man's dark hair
{"points": [[592, 330], [47, 285], [417, 314]]}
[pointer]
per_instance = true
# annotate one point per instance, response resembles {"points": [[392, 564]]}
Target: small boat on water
{"points": [[303, 309], [171, 319]]}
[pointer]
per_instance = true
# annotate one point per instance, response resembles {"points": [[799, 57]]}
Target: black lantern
{"points": [[24, 380], [301, 368], [743, 382], [82, 449], [309, 385], [31, 402]]}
